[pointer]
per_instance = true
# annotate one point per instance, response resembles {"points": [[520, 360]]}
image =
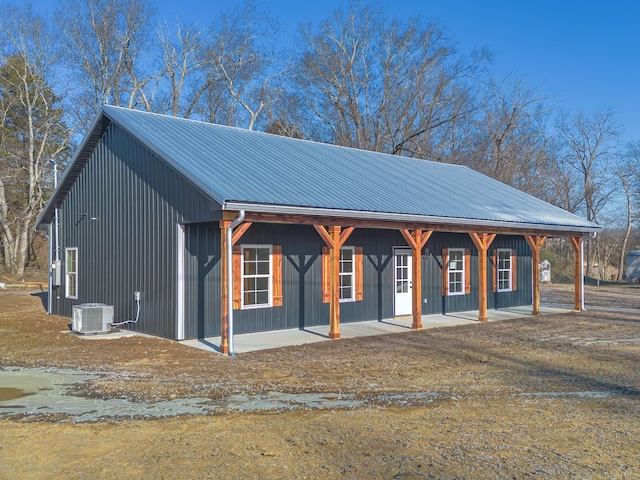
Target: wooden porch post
{"points": [[334, 306], [416, 240], [482, 242], [577, 276], [535, 242], [224, 289], [224, 280], [334, 238]]}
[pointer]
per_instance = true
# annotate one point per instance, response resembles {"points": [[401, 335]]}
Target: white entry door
{"points": [[402, 281]]}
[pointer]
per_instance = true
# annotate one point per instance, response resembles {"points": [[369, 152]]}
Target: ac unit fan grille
{"points": [[92, 318]]}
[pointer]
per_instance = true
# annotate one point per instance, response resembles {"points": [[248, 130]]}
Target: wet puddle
{"points": [[57, 394], [48, 392]]}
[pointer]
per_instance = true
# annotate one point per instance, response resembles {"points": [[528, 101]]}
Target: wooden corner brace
{"points": [[334, 238], [416, 239]]}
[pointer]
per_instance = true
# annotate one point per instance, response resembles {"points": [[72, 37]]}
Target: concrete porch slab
{"points": [[249, 342]]}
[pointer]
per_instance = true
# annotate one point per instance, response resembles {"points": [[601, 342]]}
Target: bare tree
{"points": [[384, 85], [105, 43], [511, 142], [242, 67], [31, 129], [589, 146], [183, 68], [628, 174]]}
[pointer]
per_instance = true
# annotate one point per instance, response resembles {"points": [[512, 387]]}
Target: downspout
{"points": [[50, 291], [54, 250], [582, 277], [55, 214], [229, 252]]}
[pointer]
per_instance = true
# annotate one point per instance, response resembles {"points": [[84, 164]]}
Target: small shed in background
{"points": [[633, 266], [545, 271]]}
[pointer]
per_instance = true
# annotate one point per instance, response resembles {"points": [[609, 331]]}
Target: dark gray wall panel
{"points": [[523, 293], [121, 214], [202, 280], [302, 274]]}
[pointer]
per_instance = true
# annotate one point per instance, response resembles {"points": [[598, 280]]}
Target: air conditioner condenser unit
{"points": [[92, 318]]}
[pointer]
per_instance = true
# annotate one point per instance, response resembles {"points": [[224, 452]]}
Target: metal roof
{"points": [[268, 173]]}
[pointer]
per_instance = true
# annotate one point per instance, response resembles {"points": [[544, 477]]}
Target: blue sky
{"points": [[584, 53]]}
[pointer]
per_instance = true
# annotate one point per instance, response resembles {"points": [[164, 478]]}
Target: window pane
{"points": [[346, 260], [262, 298], [249, 298], [71, 261], [345, 293], [72, 284], [249, 284], [262, 283], [263, 268], [262, 254], [504, 259], [249, 268]]}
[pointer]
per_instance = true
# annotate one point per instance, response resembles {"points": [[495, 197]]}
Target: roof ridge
{"points": [[273, 135]]}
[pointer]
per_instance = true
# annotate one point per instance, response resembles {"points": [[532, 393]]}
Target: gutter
{"points": [[403, 217], [229, 253]]}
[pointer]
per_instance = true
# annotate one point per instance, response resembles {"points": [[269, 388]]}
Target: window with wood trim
{"points": [[504, 270], [71, 273], [351, 276], [257, 276], [456, 271]]}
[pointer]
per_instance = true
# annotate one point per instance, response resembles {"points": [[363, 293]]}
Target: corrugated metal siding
{"points": [[302, 279], [202, 280], [121, 214], [432, 275], [302, 273], [301, 287], [523, 293]]}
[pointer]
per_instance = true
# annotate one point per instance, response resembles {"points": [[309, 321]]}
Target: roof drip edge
{"points": [[399, 217]]}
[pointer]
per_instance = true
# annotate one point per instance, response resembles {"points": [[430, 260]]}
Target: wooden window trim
{"points": [[514, 270], [326, 276], [359, 264], [494, 270], [237, 276], [276, 275], [445, 272], [467, 271]]}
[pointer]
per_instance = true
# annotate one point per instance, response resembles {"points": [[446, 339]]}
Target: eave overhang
{"points": [[367, 219]]}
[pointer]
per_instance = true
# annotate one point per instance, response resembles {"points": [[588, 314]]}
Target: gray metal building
{"points": [[147, 202]]}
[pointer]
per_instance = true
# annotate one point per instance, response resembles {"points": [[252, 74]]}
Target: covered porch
{"points": [[334, 231], [250, 342]]}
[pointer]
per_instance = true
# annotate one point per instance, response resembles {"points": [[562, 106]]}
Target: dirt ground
{"points": [[547, 397]]}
